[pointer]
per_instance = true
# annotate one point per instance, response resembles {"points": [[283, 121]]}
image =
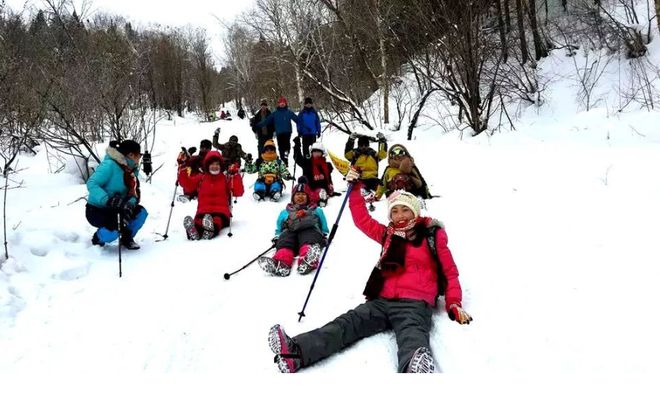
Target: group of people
{"points": [[414, 267], [268, 125]]}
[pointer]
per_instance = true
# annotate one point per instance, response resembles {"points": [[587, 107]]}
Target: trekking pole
{"points": [[295, 164], [228, 275], [119, 229], [176, 184], [231, 205], [325, 251]]}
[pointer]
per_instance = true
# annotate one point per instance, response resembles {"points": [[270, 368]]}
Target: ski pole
{"points": [[231, 204], [295, 164], [325, 251], [176, 184], [119, 229], [228, 275]]}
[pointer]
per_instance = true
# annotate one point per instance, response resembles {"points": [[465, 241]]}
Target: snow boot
{"points": [[323, 198], [275, 196], [274, 267], [287, 352], [421, 362], [311, 260], [96, 241], [129, 243], [258, 196], [191, 230]]}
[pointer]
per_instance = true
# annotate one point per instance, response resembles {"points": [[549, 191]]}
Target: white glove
{"points": [[380, 136], [352, 175]]}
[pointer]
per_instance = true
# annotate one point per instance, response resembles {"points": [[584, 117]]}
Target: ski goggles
{"points": [[398, 151]]}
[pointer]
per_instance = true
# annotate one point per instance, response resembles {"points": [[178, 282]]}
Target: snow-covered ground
{"points": [[554, 228]]}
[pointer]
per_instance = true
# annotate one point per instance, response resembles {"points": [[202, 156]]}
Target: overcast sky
{"points": [[200, 13]]}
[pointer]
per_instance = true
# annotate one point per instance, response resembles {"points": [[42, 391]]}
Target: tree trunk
{"points": [[4, 211], [500, 23], [507, 16], [563, 4], [385, 82], [521, 31], [657, 12], [539, 47], [299, 88]]}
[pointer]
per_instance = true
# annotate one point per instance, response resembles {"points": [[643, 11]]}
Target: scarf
{"points": [[320, 169], [269, 156], [131, 182], [394, 245]]}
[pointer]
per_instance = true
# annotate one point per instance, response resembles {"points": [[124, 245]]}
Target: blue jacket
{"points": [[309, 123], [108, 179], [281, 118], [284, 215]]}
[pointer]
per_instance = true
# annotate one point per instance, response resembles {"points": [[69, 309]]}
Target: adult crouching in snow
{"points": [[114, 189], [401, 291]]}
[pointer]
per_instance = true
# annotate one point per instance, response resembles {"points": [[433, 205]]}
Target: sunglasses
{"points": [[398, 151]]}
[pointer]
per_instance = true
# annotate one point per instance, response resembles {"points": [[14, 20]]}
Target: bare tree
{"points": [[521, 30], [203, 70]]}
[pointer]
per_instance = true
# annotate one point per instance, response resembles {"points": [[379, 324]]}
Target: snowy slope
{"points": [[558, 268], [553, 227]]}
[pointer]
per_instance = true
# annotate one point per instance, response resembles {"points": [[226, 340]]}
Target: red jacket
{"points": [[418, 280], [213, 190]]}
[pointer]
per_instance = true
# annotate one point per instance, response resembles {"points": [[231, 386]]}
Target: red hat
{"points": [[302, 186], [282, 99], [210, 157]]}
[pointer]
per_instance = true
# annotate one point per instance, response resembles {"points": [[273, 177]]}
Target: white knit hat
{"points": [[403, 198], [316, 147]]}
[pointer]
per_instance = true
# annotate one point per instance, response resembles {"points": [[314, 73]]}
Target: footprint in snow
{"points": [[39, 251], [73, 273]]}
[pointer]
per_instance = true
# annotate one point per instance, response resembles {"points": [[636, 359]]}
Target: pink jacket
{"points": [[418, 279]]}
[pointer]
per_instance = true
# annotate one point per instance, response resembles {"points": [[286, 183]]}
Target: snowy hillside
{"points": [[554, 227]]}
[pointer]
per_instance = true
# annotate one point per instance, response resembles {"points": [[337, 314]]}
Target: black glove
{"points": [[290, 178], [296, 140], [128, 212], [275, 239], [248, 158], [115, 202]]}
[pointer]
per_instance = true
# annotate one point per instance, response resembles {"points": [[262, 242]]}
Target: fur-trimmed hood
{"points": [[121, 159], [116, 156]]}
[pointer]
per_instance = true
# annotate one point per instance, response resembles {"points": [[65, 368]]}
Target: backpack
{"points": [[442, 279]]}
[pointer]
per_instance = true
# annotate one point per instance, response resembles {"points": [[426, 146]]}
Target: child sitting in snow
{"points": [[402, 174], [317, 171], [414, 267], [272, 171], [214, 191], [365, 158], [301, 228]]}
